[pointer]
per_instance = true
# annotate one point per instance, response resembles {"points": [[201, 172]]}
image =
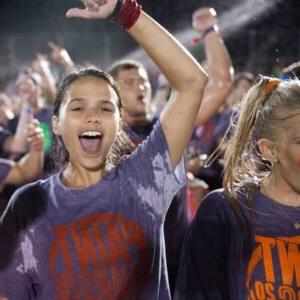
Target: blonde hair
{"points": [[262, 113]]}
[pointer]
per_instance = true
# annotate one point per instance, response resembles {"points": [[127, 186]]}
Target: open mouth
{"points": [[141, 99], [91, 141]]}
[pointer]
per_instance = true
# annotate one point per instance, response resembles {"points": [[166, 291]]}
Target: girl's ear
{"points": [[267, 149], [55, 125]]}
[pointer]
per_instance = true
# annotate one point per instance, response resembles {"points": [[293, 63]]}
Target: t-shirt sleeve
{"points": [[148, 172], [17, 262], [204, 259], [5, 167], [13, 281]]}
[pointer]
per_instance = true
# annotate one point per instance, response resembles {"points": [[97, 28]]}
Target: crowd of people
{"points": [[110, 192]]}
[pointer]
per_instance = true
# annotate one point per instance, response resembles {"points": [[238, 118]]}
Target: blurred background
{"points": [[262, 35]]}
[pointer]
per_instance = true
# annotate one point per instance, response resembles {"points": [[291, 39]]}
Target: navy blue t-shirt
{"points": [[222, 259]]}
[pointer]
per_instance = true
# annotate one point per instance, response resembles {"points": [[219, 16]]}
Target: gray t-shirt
{"points": [[102, 242]]}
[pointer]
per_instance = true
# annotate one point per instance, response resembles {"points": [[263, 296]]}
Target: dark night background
{"points": [[268, 40]]}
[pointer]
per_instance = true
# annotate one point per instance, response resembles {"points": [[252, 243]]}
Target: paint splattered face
{"points": [[88, 122], [288, 153]]}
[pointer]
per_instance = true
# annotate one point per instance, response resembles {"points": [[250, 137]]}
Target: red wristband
{"points": [[129, 13]]}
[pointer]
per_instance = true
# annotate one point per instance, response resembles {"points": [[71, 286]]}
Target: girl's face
{"points": [[288, 153], [88, 122]]}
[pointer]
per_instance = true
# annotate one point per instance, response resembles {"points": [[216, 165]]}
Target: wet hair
{"points": [[122, 144], [123, 64], [263, 114]]}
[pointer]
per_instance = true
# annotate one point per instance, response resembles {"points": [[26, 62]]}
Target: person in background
{"points": [[13, 140], [13, 145], [61, 57], [29, 167], [220, 70], [218, 63], [15, 148], [223, 130], [244, 241], [135, 91], [45, 65], [206, 165], [41, 65], [29, 91]]}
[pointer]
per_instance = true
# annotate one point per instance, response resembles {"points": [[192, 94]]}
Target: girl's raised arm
{"points": [[185, 75]]}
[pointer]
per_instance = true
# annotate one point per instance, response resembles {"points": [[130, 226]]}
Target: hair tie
{"points": [[271, 85]]}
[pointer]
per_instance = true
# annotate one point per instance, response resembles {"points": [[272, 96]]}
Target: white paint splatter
{"points": [[159, 173], [29, 261]]}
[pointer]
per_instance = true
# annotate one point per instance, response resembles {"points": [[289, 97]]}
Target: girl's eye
{"points": [[108, 109], [76, 109]]}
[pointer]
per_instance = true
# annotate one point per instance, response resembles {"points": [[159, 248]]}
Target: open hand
{"points": [[94, 9]]}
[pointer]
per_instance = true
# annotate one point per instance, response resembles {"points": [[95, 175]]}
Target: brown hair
{"points": [[261, 115], [123, 64], [122, 145]]}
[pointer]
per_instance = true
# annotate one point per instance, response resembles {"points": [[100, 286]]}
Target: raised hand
{"points": [[59, 55], [94, 9], [6, 108], [35, 136], [26, 88], [204, 18], [41, 64]]}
